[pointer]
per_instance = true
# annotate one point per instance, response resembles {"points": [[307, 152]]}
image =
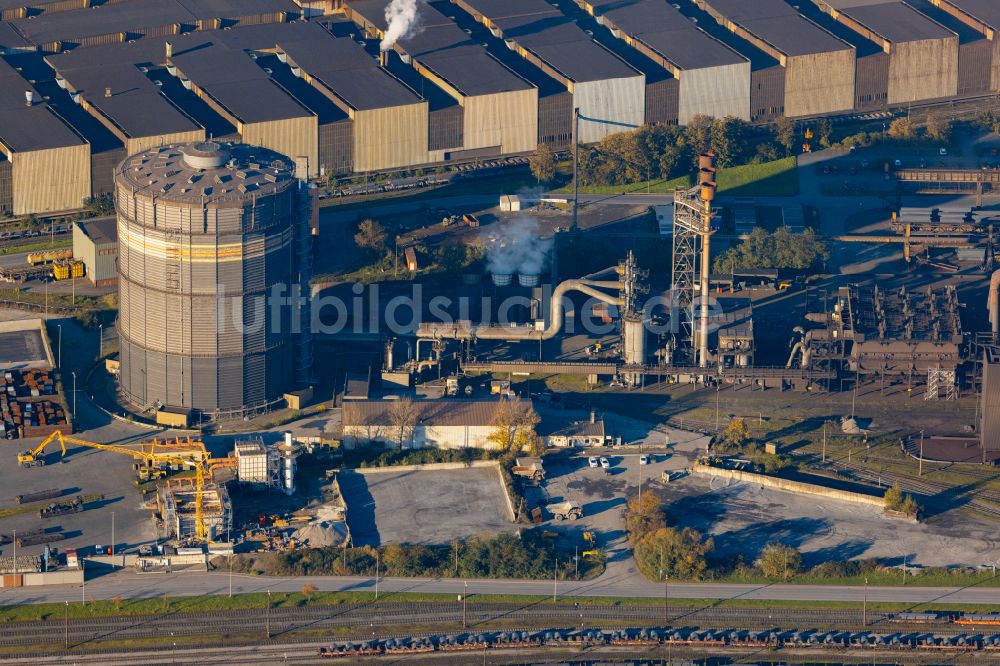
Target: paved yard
{"points": [[427, 506]]}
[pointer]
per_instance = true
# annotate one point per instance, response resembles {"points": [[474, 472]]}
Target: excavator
{"points": [[152, 458]]}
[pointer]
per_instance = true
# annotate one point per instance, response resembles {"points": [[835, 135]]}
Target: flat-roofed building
{"points": [[604, 87], [95, 243], [240, 91], [120, 96], [499, 108], [819, 68], [44, 164], [118, 22], [389, 120], [713, 78], [975, 51], [923, 54], [983, 16]]}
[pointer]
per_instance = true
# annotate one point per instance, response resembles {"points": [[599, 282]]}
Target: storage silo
{"points": [[208, 235]]}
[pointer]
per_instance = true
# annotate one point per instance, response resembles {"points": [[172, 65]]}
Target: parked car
{"points": [[644, 459], [592, 460], [605, 464]]}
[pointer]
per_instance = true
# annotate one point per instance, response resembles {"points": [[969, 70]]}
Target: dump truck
{"points": [[565, 510], [529, 468]]}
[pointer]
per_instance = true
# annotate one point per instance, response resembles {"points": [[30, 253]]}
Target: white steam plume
{"points": [[517, 247], [401, 15]]}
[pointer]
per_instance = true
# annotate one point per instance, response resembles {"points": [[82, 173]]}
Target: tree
{"points": [[677, 553], [784, 134], [939, 128], [729, 137], [543, 163], [698, 135], [403, 417], [780, 249], [451, 258], [308, 590], [902, 129], [779, 561], [824, 132], [643, 515], [737, 433], [895, 500], [513, 424], [371, 236]]}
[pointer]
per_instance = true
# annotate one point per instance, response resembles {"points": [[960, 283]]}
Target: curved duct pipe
{"points": [[791, 357], [466, 330], [994, 303]]}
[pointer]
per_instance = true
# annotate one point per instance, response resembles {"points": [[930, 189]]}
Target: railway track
{"points": [[381, 618]]}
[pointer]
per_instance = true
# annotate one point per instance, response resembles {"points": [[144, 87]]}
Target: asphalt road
{"points": [[136, 586]]}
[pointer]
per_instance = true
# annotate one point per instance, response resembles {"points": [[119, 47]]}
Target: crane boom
{"points": [[190, 452]]}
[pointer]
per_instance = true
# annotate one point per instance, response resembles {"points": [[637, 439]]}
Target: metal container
{"points": [[208, 234], [502, 279], [528, 280]]}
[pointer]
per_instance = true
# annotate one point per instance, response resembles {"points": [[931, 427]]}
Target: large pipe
{"points": [[791, 357], [467, 330], [994, 303]]}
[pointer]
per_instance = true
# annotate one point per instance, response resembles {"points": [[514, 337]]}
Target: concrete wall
{"points": [[819, 83], [715, 91], [294, 137], [922, 70], [508, 120], [790, 486], [872, 82], [663, 101], [995, 77], [422, 436], [975, 67], [63, 577], [390, 137], [45, 181], [619, 100], [767, 93]]}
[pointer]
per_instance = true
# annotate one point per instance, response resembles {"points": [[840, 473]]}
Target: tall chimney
{"points": [[383, 58], [170, 50], [107, 91], [29, 97]]}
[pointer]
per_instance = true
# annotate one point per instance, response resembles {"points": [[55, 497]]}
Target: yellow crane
{"points": [[179, 452]]}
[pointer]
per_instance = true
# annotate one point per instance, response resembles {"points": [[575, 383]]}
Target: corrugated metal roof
{"points": [[778, 24], [448, 51], [984, 11], [664, 29], [455, 412], [100, 231], [347, 70], [24, 128], [232, 78], [894, 21]]}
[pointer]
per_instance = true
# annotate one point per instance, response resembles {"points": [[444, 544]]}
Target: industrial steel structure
{"points": [[206, 232]]}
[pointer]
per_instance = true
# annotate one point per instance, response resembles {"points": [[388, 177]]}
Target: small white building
{"points": [[586, 433], [446, 424]]}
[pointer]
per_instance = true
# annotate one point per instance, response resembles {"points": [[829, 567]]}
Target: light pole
{"points": [[555, 578], [717, 385], [74, 395], [377, 554], [921, 462], [113, 549], [66, 624], [267, 617], [465, 605], [59, 353], [864, 606], [100, 340]]}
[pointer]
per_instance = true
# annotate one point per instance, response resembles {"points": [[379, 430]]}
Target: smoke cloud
{"points": [[401, 15], [517, 247]]}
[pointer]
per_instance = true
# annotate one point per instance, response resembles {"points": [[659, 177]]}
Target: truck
{"points": [[565, 510], [28, 498], [529, 468]]}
